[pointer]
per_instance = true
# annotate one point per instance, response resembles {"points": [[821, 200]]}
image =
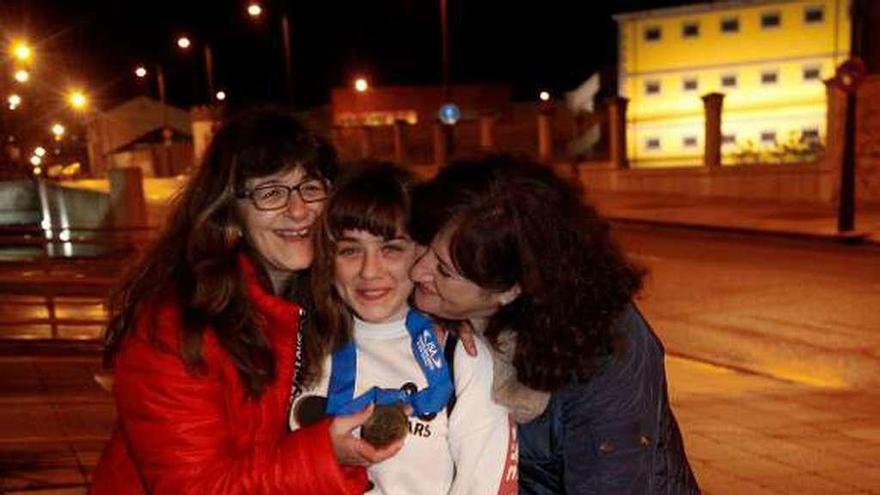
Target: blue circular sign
{"points": [[449, 114]]}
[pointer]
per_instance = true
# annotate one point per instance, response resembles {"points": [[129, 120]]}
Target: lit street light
{"points": [[22, 76], [141, 72], [40, 151], [221, 95], [254, 10], [361, 85], [22, 52], [14, 101], [58, 131], [183, 42], [77, 99], [544, 96], [36, 160]]}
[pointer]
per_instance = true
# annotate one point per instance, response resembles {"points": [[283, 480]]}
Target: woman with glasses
{"points": [[208, 332], [514, 251]]}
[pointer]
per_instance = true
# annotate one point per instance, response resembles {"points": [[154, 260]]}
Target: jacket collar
{"points": [[265, 302]]}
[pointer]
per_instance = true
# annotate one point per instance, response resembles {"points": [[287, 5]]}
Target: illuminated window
{"points": [[771, 20], [814, 15], [652, 143], [690, 30], [653, 33], [689, 141], [689, 84], [730, 25], [728, 139], [812, 74], [769, 77], [810, 135], [652, 87], [728, 81], [768, 137]]}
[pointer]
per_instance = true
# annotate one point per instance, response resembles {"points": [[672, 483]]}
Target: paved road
{"points": [[800, 310]]}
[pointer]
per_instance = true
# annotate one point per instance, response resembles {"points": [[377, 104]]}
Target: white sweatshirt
{"points": [[470, 451]]}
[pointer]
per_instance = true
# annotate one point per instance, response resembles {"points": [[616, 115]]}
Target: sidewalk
{"points": [[745, 434], [807, 220]]}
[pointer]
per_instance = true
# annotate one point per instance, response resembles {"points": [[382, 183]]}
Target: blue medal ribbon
{"points": [[428, 354]]}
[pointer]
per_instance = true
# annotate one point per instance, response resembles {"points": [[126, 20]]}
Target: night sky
{"points": [[97, 44]]}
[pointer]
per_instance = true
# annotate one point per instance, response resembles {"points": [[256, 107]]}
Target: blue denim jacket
{"points": [[614, 434]]}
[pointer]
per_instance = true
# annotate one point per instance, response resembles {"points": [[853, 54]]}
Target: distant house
{"points": [[768, 57], [134, 134]]}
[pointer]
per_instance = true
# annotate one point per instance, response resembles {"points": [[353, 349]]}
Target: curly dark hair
{"points": [[195, 260], [515, 222]]}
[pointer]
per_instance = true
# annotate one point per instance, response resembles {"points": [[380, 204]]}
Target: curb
{"points": [[849, 238]]}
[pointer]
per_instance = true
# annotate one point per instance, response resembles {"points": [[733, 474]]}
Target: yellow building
{"points": [[768, 57]]}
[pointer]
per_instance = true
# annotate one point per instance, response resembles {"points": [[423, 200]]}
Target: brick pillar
{"points": [[712, 104], [835, 139], [205, 120], [545, 132], [487, 132], [127, 204], [617, 131], [365, 141], [400, 127], [443, 142]]}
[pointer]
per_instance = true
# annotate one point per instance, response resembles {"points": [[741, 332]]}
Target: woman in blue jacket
{"points": [[514, 251]]}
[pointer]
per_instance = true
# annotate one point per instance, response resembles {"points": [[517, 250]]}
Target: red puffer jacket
{"points": [[179, 433]]}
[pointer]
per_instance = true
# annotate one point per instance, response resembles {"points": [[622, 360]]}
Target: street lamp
{"points": [[361, 85], [140, 72], [77, 99], [544, 96], [22, 51], [254, 10], [14, 101], [40, 151], [221, 95], [58, 131], [183, 42], [22, 76]]}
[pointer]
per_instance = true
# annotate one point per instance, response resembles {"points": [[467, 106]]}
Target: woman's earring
{"points": [[231, 235]]}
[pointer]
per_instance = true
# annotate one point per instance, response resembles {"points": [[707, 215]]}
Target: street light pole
{"points": [[444, 29], [288, 69], [209, 71], [846, 211]]}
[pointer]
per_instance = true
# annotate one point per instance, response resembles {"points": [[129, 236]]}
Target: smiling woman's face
{"points": [[442, 291], [282, 237]]}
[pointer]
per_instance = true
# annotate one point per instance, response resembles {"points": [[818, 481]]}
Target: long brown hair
{"points": [[373, 197], [515, 222], [194, 262]]}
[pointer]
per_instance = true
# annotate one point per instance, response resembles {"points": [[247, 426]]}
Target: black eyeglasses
{"points": [[277, 196]]}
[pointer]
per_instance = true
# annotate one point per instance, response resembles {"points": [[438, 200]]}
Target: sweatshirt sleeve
{"points": [[482, 436], [179, 432]]}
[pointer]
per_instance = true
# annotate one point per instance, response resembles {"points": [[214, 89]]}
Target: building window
{"points": [[812, 74], [690, 30], [771, 20], [730, 25], [689, 84], [689, 141], [769, 77], [653, 33], [652, 87], [728, 139], [728, 81], [814, 15], [810, 135], [768, 137], [652, 143]]}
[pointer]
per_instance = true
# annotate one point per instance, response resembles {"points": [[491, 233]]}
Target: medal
{"points": [[427, 353]]}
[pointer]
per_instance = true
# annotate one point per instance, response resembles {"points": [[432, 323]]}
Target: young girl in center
{"points": [[376, 349]]}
